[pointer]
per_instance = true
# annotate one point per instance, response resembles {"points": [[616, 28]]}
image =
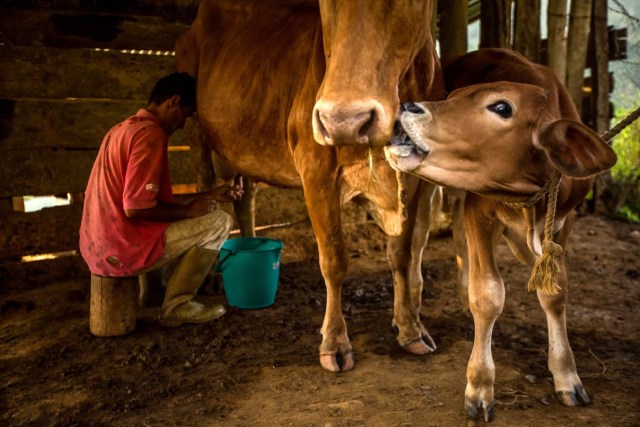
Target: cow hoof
{"points": [[418, 346], [334, 361], [577, 397], [472, 410]]}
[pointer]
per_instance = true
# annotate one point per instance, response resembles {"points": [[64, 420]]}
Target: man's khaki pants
{"points": [[209, 231]]}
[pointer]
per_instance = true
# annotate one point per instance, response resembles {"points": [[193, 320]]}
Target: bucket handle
{"points": [[222, 260]]}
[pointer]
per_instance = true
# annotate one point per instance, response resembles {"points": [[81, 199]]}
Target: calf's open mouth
{"points": [[402, 151]]}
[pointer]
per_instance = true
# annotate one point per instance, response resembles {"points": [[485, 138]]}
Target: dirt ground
{"points": [[260, 367]]}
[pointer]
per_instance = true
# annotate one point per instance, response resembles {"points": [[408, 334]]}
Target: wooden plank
{"points": [[44, 172], [59, 123], [6, 206], [60, 29], [30, 72], [17, 276], [46, 231], [175, 10], [181, 168]]}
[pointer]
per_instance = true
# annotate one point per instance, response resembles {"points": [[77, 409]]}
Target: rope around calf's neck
{"points": [[543, 273]]}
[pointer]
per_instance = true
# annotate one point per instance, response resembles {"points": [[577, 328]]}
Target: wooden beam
{"points": [[18, 276], [183, 11], [46, 231], [30, 72], [61, 123], [44, 172], [69, 29]]}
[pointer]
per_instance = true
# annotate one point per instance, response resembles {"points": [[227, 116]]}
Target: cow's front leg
{"points": [[486, 299], [561, 362], [323, 204], [405, 258]]}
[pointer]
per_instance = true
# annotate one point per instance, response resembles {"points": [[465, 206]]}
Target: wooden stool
{"points": [[113, 305]]}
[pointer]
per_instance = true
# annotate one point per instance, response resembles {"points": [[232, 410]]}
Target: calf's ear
{"points": [[574, 149]]}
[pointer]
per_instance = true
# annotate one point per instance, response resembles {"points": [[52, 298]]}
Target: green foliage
{"points": [[626, 172], [627, 214]]}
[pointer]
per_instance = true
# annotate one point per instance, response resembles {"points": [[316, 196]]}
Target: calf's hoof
{"points": [[336, 361], [577, 397], [472, 409]]}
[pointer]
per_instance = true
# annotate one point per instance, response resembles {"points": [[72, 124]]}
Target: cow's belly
{"points": [[250, 88], [266, 160]]}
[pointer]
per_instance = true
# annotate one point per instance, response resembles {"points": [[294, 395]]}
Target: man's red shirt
{"points": [[130, 172]]}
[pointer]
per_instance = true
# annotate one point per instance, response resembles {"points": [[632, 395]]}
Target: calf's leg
{"points": [[460, 243], [486, 299], [561, 362]]}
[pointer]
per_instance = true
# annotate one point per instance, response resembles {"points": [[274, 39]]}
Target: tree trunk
{"points": [[556, 40], [526, 38], [453, 28], [495, 23], [579, 23]]}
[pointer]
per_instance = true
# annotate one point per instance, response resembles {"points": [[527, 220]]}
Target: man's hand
{"points": [[202, 205], [228, 193]]}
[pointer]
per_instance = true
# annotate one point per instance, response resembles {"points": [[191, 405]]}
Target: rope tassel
{"points": [[543, 274]]}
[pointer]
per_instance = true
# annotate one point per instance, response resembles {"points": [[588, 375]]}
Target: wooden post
{"points": [[526, 37], [113, 305], [577, 42], [495, 24], [557, 42], [453, 28]]}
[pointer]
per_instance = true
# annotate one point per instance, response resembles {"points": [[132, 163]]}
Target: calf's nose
{"points": [[411, 107]]}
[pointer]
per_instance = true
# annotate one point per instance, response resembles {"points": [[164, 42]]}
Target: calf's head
{"points": [[499, 140], [368, 47]]}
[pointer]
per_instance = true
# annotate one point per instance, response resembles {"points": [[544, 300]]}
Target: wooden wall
{"points": [[67, 74]]}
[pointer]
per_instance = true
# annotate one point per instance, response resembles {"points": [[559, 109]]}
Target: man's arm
{"points": [[169, 212], [200, 204]]}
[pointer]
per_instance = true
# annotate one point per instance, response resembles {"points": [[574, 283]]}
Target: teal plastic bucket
{"points": [[250, 268]]}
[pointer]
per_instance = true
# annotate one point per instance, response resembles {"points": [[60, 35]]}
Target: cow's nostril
{"points": [[412, 107], [368, 125], [321, 127]]}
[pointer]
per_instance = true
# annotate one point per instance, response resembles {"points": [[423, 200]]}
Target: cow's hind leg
{"points": [[245, 208], [405, 257], [561, 362]]}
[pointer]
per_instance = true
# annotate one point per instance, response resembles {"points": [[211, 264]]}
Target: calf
{"points": [[504, 132]]}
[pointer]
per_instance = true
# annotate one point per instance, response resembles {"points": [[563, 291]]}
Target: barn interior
{"points": [[71, 69]]}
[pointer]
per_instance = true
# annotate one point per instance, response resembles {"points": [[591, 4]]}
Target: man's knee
{"points": [[221, 221]]}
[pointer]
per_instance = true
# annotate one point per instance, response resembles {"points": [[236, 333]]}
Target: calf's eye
{"points": [[501, 108]]}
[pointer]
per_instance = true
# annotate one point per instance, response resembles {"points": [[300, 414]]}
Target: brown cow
{"points": [[262, 65], [502, 142]]}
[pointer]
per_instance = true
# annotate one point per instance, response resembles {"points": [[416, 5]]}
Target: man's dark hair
{"points": [[181, 84]]}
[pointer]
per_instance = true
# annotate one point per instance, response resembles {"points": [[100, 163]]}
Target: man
{"points": [[131, 221]]}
